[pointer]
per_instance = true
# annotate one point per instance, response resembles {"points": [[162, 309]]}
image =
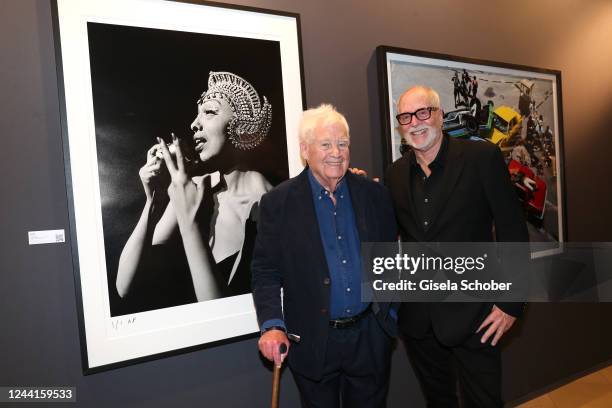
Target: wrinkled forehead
{"points": [[330, 131], [416, 99]]}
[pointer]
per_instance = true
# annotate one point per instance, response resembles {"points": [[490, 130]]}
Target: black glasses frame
{"points": [[416, 113]]}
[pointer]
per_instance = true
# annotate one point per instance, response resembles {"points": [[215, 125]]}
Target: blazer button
{"points": [[326, 281], [323, 311]]}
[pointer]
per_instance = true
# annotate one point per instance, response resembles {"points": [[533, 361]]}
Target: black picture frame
{"points": [[525, 92], [111, 341]]}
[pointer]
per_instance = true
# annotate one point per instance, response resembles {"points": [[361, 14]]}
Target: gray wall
{"points": [[39, 337]]}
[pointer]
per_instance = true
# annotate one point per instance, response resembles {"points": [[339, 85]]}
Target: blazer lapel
{"points": [[306, 218], [405, 190]]}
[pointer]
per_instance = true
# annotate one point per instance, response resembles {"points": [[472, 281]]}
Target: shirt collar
{"points": [[318, 189]]}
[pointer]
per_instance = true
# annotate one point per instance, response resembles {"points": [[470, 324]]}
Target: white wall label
{"points": [[46, 237]]}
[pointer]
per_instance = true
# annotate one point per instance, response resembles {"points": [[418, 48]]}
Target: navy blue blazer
{"points": [[288, 253]]}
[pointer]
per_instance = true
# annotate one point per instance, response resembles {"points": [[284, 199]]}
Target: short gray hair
{"points": [[323, 115]]}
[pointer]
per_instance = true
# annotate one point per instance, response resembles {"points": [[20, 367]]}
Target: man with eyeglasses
{"points": [[308, 243], [450, 190]]}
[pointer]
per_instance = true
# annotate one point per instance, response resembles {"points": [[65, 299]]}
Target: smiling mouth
{"points": [[418, 132]]}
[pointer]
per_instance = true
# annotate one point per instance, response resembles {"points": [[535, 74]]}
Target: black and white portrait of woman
{"points": [[190, 134], [210, 201]]}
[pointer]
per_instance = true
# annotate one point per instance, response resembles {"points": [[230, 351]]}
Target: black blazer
{"points": [[476, 194], [288, 253]]}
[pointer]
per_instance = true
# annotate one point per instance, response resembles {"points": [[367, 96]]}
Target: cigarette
{"points": [[171, 149]]}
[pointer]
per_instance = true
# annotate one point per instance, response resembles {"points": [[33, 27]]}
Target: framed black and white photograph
{"points": [[515, 107], [178, 118]]}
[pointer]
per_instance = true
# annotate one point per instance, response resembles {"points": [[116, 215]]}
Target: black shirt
{"points": [[425, 190]]}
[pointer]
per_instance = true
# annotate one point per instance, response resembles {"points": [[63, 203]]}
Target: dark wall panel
{"points": [[39, 339]]}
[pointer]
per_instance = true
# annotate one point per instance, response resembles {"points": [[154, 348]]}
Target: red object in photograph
{"points": [[530, 188]]}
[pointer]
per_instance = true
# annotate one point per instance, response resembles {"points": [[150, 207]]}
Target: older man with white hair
{"points": [[308, 243]]}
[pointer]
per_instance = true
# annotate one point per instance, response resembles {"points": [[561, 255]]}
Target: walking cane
{"points": [[276, 377]]}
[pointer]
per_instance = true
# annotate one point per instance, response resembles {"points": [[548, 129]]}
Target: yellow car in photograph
{"points": [[506, 123]]}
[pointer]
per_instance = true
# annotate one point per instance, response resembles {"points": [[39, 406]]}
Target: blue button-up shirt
{"points": [[342, 248], [340, 238]]}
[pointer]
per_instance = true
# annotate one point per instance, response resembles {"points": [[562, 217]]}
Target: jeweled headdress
{"points": [[251, 121]]}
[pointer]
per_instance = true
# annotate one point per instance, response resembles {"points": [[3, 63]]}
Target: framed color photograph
{"points": [[515, 107], [177, 118]]}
